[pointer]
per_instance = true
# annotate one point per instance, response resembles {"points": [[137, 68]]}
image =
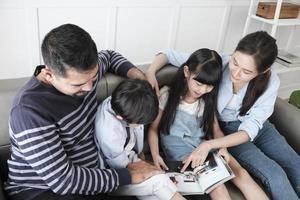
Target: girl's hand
{"points": [[197, 157], [225, 154], [153, 81], [159, 163]]}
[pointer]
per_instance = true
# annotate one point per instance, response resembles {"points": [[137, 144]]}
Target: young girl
{"points": [[246, 100], [187, 118]]}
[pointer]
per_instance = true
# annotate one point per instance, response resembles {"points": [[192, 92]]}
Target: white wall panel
{"points": [[235, 27], [94, 20], [15, 52], [199, 27], [142, 31]]}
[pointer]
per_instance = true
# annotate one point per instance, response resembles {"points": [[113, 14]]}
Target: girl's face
{"points": [[195, 88], [242, 68]]}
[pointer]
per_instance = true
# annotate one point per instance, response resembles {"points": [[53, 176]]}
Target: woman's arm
{"points": [[221, 141], [160, 60], [198, 156]]}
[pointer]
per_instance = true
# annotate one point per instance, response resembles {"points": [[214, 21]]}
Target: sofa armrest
{"points": [[286, 119]]}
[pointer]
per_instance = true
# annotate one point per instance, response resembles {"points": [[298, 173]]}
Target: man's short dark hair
{"points": [[69, 46], [135, 101]]}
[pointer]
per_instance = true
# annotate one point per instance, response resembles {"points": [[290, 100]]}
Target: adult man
{"points": [[52, 123]]}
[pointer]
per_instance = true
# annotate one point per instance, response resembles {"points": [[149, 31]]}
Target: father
{"points": [[51, 123]]}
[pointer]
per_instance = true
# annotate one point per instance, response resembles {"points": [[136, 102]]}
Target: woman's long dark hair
{"points": [[262, 47], [206, 65]]}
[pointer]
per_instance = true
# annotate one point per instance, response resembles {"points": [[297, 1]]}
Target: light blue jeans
{"points": [[270, 159]]}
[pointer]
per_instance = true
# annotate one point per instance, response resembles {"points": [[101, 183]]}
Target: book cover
{"points": [[202, 179]]}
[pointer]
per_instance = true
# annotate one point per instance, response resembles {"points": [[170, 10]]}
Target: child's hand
{"points": [[159, 163], [197, 157], [142, 156], [225, 154]]}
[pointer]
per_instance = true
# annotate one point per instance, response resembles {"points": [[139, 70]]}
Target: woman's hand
{"points": [[197, 157], [159, 162]]}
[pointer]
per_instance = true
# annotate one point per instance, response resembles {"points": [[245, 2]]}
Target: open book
{"points": [[202, 179]]}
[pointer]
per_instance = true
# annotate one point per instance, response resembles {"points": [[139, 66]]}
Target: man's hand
{"points": [[141, 171], [136, 73]]}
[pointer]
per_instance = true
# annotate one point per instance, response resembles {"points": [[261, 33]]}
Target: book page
{"points": [[187, 182], [202, 179], [214, 174]]}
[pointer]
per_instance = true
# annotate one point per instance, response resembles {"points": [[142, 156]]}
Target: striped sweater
{"points": [[52, 139]]}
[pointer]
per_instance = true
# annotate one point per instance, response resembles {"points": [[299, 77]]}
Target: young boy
{"points": [[119, 128]]}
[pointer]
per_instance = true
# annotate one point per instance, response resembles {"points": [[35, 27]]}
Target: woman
{"points": [[246, 100]]}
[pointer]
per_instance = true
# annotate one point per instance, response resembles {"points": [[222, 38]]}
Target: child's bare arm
{"points": [[154, 142]]}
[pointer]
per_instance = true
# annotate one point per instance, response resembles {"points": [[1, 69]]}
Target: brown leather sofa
{"points": [[286, 118]]}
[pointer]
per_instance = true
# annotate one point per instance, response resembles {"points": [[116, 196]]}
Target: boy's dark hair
{"points": [[69, 46], [135, 101], [206, 65], [262, 47]]}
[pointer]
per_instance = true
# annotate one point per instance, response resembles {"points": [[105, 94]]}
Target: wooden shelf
{"points": [[281, 22], [279, 68]]}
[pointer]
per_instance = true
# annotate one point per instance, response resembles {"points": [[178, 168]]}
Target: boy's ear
{"points": [[119, 117], [186, 71], [48, 74]]}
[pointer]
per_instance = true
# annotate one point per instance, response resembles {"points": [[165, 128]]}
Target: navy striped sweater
{"points": [[52, 139]]}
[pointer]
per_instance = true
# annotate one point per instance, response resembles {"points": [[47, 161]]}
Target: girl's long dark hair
{"points": [[206, 65], [262, 47]]}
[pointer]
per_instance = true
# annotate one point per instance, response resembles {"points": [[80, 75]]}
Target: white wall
{"points": [[136, 28]]}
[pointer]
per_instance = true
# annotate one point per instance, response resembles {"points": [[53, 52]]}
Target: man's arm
{"points": [[115, 63], [41, 147], [136, 73]]}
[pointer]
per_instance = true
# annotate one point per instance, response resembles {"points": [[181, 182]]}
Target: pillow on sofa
{"points": [[295, 98]]}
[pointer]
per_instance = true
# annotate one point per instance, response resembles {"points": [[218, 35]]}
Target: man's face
{"points": [[75, 83]]}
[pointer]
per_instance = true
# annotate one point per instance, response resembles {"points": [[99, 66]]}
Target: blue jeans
{"points": [[270, 159]]}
